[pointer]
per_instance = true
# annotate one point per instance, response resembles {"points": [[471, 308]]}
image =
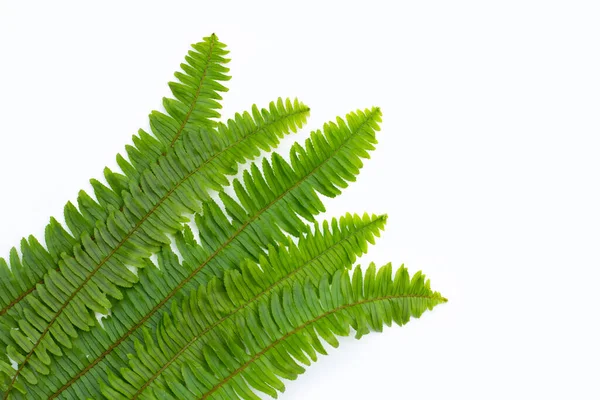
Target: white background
{"points": [[488, 163]]}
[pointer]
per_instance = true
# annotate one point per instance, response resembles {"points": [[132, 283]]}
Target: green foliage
{"points": [[213, 317]]}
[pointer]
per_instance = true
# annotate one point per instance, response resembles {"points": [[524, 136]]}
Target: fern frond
{"points": [[196, 101], [269, 206], [175, 185], [266, 342]]}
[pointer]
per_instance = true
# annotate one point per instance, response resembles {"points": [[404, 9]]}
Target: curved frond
{"points": [[48, 319], [196, 101], [272, 340], [255, 224]]}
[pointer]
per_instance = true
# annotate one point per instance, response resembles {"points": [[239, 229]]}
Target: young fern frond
{"points": [[197, 94], [265, 342]]}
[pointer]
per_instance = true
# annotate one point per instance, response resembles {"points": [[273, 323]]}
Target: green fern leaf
{"points": [[197, 94], [266, 342]]}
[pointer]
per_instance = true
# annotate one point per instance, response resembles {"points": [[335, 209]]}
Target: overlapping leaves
{"points": [[45, 321], [50, 315], [195, 354], [273, 200], [204, 70], [234, 312], [331, 247], [327, 250]]}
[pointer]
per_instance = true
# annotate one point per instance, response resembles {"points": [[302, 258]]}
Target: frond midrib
{"points": [[250, 302], [128, 236], [433, 296], [18, 299], [234, 236]]}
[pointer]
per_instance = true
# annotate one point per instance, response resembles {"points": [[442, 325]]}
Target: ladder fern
{"points": [[261, 344], [197, 92], [230, 314]]}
